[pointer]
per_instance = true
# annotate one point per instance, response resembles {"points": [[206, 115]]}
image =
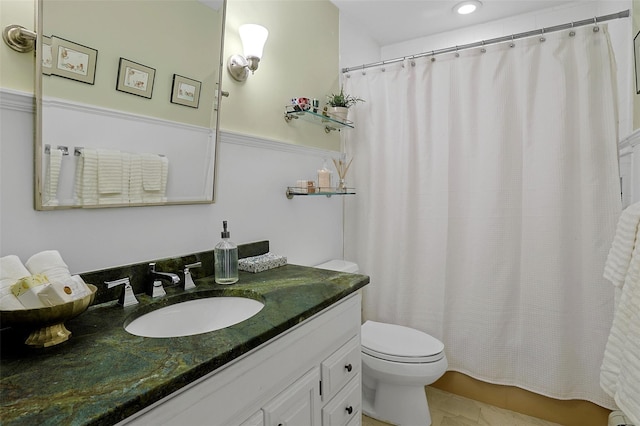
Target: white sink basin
{"points": [[195, 317]]}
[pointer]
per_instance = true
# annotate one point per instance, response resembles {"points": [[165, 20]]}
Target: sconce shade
{"points": [[253, 39]]}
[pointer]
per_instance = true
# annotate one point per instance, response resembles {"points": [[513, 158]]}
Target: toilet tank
{"points": [[340, 266]]}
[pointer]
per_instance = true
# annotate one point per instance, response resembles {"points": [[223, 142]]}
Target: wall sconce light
{"points": [[253, 38]]}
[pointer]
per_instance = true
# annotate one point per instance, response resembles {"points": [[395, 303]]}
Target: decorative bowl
{"points": [[47, 324]]}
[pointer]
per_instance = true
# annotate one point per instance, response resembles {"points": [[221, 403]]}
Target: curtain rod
{"points": [[595, 20]]}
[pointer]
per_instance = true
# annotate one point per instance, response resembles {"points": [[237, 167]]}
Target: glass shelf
{"points": [[329, 123], [294, 191]]}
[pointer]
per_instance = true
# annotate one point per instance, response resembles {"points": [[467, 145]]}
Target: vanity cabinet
{"points": [[309, 375]]}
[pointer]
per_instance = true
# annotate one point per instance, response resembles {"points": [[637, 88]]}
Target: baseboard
{"points": [[568, 413]]}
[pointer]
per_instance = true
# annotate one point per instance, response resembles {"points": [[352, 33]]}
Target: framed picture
{"points": [[72, 60], [134, 78], [185, 91], [47, 58], [636, 54]]}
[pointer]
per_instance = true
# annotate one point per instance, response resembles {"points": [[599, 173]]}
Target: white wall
{"points": [[252, 178], [356, 47]]}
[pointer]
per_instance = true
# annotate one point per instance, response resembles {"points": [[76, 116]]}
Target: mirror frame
{"points": [[38, 149]]}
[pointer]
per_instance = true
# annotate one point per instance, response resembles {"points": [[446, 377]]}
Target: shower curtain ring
{"points": [[512, 44], [433, 56], [457, 54], [542, 37], [483, 50], [572, 33], [363, 71], [596, 28]]}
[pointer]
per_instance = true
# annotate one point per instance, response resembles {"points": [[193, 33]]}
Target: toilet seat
{"points": [[397, 343]]}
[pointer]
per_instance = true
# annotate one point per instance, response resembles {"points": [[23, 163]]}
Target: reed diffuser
{"points": [[342, 167]]}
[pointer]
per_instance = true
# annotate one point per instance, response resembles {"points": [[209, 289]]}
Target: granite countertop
{"points": [[103, 374]]}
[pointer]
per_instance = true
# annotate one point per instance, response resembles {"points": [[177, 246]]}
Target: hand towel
{"points": [[619, 257], [111, 177], [126, 175], [50, 263], [135, 179], [151, 172], [11, 270], [90, 177], [109, 171], [52, 176], [77, 183], [164, 178]]}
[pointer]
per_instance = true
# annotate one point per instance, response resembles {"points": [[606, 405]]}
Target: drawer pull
{"points": [[348, 367], [349, 409]]}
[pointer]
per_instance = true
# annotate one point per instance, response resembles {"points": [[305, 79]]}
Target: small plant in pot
{"points": [[338, 104]]}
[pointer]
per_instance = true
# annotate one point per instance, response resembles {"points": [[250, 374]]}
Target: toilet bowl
{"points": [[397, 363]]}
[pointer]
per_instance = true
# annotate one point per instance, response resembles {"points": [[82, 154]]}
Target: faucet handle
{"points": [[188, 280], [127, 298]]}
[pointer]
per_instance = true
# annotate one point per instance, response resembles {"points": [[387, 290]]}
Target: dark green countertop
{"points": [[103, 374]]}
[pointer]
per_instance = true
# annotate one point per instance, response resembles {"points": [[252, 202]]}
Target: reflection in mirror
{"points": [[126, 102]]}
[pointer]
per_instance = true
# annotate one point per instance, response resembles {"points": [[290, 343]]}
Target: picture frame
{"points": [[636, 54], [72, 60], [47, 58], [185, 91], [135, 78]]}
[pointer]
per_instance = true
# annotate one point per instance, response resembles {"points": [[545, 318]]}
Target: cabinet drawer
{"points": [[344, 406], [340, 367]]}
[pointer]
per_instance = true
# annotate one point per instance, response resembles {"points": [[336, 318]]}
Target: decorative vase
{"points": [[342, 186], [339, 113]]}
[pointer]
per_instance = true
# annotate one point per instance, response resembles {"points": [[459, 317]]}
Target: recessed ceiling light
{"points": [[467, 7]]}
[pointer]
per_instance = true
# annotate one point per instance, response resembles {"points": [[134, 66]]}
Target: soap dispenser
{"points": [[225, 261]]}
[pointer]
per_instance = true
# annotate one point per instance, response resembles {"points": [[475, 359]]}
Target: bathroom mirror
{"points": [[127, 102]]}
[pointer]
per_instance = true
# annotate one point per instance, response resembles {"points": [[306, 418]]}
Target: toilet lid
{"points": [[398, 343]]}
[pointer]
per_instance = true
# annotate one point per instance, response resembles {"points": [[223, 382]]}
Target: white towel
{"points": [[109, 171], [11, 270], [151, 172], [49, 263], [111, 177], [90, 177], [135, 179], [619, 258], [620, 370], [52, 176], [77, 184], [164, 178]]}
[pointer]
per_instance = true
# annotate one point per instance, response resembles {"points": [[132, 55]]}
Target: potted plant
{"points": [[339, 104]]}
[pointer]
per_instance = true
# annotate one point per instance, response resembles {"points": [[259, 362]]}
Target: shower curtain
{"points": [[487, 200]]}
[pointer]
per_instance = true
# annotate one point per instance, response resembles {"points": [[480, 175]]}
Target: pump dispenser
{"points": [[225, 256]]}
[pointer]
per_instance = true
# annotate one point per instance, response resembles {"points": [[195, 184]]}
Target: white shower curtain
{"points": [[487, 200]]}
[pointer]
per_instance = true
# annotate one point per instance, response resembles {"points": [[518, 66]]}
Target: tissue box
{"points": [[261, 263]]}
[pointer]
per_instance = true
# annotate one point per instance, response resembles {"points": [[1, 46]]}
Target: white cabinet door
{"points": [[297, 405], [256, 420]]}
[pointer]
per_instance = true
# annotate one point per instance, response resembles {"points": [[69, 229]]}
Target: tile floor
{"points": [[448, 409]]}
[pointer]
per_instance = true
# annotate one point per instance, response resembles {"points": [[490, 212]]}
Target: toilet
{"points": [[397, 363]]}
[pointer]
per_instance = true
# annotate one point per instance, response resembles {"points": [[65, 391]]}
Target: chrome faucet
{"points": [[156, 289]]}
